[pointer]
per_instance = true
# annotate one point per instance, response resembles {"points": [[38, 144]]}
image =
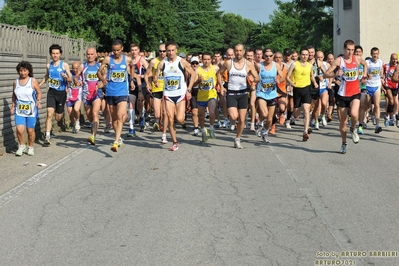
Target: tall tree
{"points": [[237, 30], [198, 24], [296, 24]]}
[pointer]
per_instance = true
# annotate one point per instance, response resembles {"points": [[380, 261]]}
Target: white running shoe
{"points": [[164, 139], [21, 150]]}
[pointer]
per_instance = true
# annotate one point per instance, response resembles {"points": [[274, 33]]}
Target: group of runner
{"points": [[273, 86]]}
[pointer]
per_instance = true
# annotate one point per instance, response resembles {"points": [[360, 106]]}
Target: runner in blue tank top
{"points": [[117, 81], [266, 91], [57, 75]]}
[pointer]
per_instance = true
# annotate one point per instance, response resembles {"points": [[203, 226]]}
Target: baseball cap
{"points": [[194, 59], [182, 55], [287, 51]]}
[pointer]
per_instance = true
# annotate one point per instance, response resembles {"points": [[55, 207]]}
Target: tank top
{"points": [[118, 82], [266, 87], [90, 79], [174, 78], [74, 91], [389, 70], [55, 80], [139, 70], [283, 85], [360, 76], [301, 74], [207, 86], [323, 84], [25, 103], [160, 77], [349, 81], [374, 69], [238, 78]]}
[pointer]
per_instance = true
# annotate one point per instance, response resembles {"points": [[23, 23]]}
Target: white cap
{"points": [[194, 59]]}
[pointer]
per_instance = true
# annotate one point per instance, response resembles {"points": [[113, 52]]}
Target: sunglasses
{"points": [[266, 55], [194, 63], [162, 51]]}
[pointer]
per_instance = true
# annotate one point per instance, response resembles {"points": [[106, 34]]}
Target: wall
{"points": [[368, 23], [20, 43]]}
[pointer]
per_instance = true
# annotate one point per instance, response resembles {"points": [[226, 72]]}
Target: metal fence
{"points": [[19, 43]]}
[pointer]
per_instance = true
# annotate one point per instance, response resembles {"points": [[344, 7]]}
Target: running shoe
{"points": [[265, 137], [310, 130], [287, 125], [155, 126], [386, 121], [204, 137], [272, 130], [164, 140], [120, 142], [281, 119], [107, 129], [31, 151], [196, 132], [77, 127], [305, 136], [355, 136], [374, 120], [259, 132], [232, 127], [364, 125], [312, 123], [317, 125], [323, 121], [91, 140], [391, 122], [292, 121], [343, 149], [212, 134], [174, 147], [225, 123], [397, 121], [184, 124], [378, 129], [131, 133], [360, 130], [74, 130], [142, 123], [237, 144], [21, 150], [114, 146], [219, 124], [252, 127], [47, 141]]}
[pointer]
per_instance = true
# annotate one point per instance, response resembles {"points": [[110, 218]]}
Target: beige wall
{"points": [[379, 26], [369, 23]]}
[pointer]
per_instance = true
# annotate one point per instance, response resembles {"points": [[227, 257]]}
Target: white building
{"points": [[369, 23]]}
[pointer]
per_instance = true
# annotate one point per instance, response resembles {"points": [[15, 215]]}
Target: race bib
{"points": [[53, 83], [91, 76], [350, 74], [172, 83], [375, 72], [267, 87], [118, 76], [323, 84], [25, 108], [207, 85]]}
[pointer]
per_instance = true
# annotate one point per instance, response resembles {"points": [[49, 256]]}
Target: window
{"points": [[347, 4]]}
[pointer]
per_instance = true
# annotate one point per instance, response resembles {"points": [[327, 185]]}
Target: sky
{"points": [[256, 10]]}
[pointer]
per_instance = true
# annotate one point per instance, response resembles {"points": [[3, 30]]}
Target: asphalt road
{"points": [[285, 203]]}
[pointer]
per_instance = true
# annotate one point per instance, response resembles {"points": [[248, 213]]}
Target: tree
{"points": [[296, 24], [237, 30], [198, 24]]}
